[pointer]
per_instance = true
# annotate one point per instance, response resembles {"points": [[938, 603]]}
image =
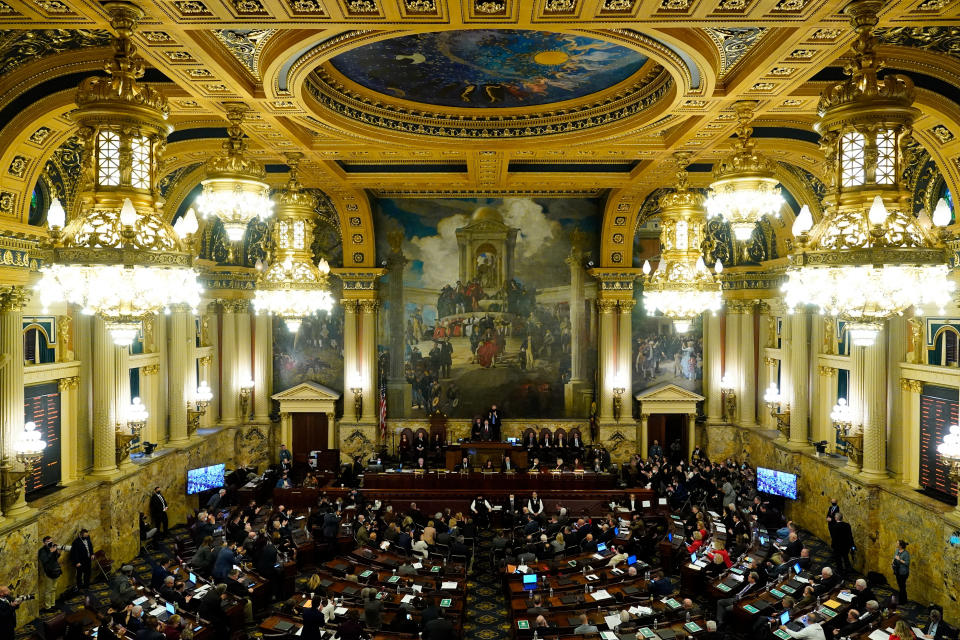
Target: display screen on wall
{"points": [[41, 405], [938, 410]]}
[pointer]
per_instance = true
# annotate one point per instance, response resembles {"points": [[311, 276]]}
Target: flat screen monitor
{"points": [[170, 608], [796, 568], [529, 578], [785, 617], [601, 547], [205, 478], [193, 577], [693, 557], [778, 483], [631, 559], [512, 440]]}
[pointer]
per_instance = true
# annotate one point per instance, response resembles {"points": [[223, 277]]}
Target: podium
{"points": [[480, 452]]}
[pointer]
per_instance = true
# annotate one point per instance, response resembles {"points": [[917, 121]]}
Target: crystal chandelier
{"points": [[234, 189], [868, 258], [28, 446], [682, 287], [744, 187], [292, 286], [119, 258]]}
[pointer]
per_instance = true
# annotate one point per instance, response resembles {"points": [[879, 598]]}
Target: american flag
{"points": [[383, 412]]}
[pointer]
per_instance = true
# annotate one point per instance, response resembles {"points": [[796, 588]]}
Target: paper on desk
{"points": [[593, 577], [662, 501], [448, 585], [407, 598], [522, 568], [601, 594], [598, 556], [418, 588], [696, 567], [612, 621], [617, 571], [608, 635], [846, 596], [299, 631], [879, 634], [140, 600], [920, 633], [645, 504], [339, 611], [801, 579], [417, 565]]}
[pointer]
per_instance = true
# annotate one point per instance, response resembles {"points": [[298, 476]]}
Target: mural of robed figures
{"points": [[314, 353], [660, 354], [487, 302]]}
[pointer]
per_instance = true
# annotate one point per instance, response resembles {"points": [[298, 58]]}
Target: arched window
{"points": [[36, 346], [945, 348]]}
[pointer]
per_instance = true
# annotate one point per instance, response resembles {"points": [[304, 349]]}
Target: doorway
{"points": [[309, 434], [666, 428]]}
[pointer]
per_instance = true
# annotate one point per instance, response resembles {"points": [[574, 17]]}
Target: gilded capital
{"points": [[914, 386], [150, 369], [606, 305], [349, 305], [763, 308], [204, 361], [14, 299], [627, 305], [770, 361], [240, 305], [68, 383], [827, 372], [368, 305]]}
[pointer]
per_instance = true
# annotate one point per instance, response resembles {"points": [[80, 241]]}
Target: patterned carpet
{"points": [[486, 616]]}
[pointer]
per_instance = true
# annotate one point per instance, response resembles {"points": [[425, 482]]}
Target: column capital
{"points": [[644, 417], [606, 305], [826, 372], [368, 305], [68, 383], [770, 361], [627, 305], [740, 306], [150, 370], [913, 386], [204, 361], [238, 305], [763, 307], [14, 299], [349, 304], [359, 282]]}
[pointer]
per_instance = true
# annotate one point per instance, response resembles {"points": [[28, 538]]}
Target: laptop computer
{"points": [[169, 610], [785, 617]]}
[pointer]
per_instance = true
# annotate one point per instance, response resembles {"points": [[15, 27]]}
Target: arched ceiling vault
{"points": [[263, 52]]}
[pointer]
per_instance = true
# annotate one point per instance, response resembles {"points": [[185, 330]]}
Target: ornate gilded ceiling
{"points": [[471, 97]]}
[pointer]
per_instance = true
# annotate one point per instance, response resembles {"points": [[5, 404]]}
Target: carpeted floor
{"points": [[486, 616]]}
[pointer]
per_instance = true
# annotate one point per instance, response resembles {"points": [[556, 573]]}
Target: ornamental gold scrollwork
{"points": [[14, 299], [368, 305], [912, 386], [826, 372], [150, 370], [606, 305], [71, 382]]}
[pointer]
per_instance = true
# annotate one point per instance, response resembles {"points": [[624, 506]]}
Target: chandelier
{"points": [[28, 446], [292, 286], [234, 190], [949, 450], [744, 188], [682, 287], [119, 258], [868, 258]]}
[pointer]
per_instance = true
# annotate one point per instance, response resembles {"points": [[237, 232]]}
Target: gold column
{"points": [[731, 349], [607, 372], [104, 402], [367, 352], [643, 434], [747, 366], [826, 398], [910, 431], [230, 367], [333, 437], [245, 353], [12, 302], [800, 378], [121, 393], [691, 433], [179, 352], [209, 416], [873, 407], [351, 372], [624, 377], [786, 366], [769, 421], [262, 367], [68, 428]]}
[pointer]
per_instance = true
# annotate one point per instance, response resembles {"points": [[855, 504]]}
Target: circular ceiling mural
{"points": [[489, 68]]}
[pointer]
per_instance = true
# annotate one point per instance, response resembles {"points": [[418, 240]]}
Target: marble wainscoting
{"points": [[879, 513], [110, 508]]}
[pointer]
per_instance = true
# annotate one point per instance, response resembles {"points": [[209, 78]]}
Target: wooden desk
{"points": [[480, 452]]}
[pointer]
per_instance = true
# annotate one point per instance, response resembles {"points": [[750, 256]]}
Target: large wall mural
{"points": [[492, 68], [477, 305], [314, 353]]}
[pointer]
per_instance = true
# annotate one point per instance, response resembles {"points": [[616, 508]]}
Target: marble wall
{"points": [[110, 509], [880, 514]]}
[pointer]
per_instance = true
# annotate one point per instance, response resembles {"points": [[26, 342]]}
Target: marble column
{"points": [[898, 339], [179, 351], [624, 377], [211, 338], [68, 388], [12, 302], [771, 365], [104, 402], [263, 367], [691, 433], [910, 391], [786, 367], [351, 372], [747, 366], [573, 389], [399, 391], [367, 351], [332, 435], [245, 355], [800, 375], [713, 359], [607, 371], [731, 350], [643, 434], [230, 367], [121, 392], [823, 407], [873, 408]]}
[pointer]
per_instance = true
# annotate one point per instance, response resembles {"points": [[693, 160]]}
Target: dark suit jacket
{"points": [[841, 537], [438, 629], [156, 505], [80, 553]]}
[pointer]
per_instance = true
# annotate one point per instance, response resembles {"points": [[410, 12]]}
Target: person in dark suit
{"points": [[486, 431], [495, 420], [575, 441], [8, 613], [440, 628], [841, 539], [372, 610], [725, 605], [81, 555], [862, 594], [860, 621], [476, 429], [937, 629], [158, 511], [331, 525], [832, 511], [826, 582], [530, 442], [313, 621], [151, 630]]}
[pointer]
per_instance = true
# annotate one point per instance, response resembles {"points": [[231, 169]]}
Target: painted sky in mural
{"points": [[486, 305], [489, 68]]}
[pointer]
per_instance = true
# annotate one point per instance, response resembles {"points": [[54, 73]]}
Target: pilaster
{"points": [[826, 398], [68, 388], [262, 367], [874, 408], [12, 302], [229, 366], [910, 391], [747, 362], [713, 365], [150, 396], [104, 402], [606, 308], [800, 375], [367, 353], [179, 349]]}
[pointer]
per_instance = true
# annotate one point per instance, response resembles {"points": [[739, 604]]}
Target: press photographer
{"points": [[48, 557], [8, 611]]}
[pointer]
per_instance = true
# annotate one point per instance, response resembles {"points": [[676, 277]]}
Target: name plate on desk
{"points": [[780, 633], [723, 587], [751, 609], [776, 593], [788, 589], [647, 632], [525, 624], [692, 627]]}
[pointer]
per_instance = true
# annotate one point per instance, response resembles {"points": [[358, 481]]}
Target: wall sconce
{"points": [[772, 399], [28, 450], [850, 437], [246, 388], [357, 402], [728, 399], [617, 402], [201, 400]]}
